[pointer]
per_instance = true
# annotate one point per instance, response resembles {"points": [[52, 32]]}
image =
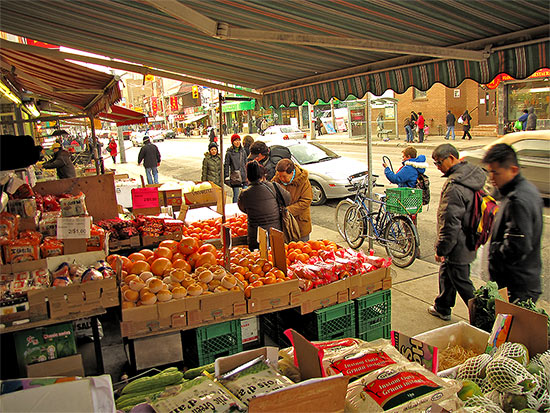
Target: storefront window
{"points": [[523, 95]]}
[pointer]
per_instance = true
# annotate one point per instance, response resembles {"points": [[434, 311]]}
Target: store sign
{"points": [[415, 350], [179, 117], [154, 105], [189, 111], [503, 77], [173, 103], [145, 198], [74, 227]]}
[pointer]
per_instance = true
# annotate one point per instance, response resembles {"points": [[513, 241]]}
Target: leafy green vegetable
{"points": [[484, 306]]}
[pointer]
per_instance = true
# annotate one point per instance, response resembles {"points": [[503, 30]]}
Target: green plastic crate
{"points": [[404, 200], [204, 345], [375, 334], [331, 323], [373, 312]]}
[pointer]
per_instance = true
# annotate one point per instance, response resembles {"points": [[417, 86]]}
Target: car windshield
{"points": [[308, 153]]}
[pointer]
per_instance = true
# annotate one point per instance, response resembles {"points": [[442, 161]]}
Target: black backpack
{"points": [[423, 182]]}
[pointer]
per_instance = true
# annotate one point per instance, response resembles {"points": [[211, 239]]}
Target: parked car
{"points": [[533, 151], [137, 138], [169, 134], [283, 132], [156, 135], [328, 171]]}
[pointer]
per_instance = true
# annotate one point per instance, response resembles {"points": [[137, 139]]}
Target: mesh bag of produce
{"points": [[474, 369], [508, 376], [481, 404], [516, 351]]}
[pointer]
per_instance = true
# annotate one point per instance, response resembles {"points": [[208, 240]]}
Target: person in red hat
{"points": [[235, 167]]}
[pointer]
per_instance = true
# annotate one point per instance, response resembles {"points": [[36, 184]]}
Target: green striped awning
{"points": [[161, 34]]}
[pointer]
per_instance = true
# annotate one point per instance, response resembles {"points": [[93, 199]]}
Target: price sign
{"points": [[415, 350], [145, 198], [74, 227]]}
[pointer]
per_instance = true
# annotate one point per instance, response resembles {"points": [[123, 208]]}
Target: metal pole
{"points": [[369, 164], [121, 147], [220, 117], [94, 144]]}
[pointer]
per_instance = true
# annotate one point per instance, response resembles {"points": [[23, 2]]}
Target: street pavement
{"points": [[413, 288]]}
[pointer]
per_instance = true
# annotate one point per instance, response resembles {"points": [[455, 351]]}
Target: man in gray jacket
{"points": [[514, 254], [457, 196]]}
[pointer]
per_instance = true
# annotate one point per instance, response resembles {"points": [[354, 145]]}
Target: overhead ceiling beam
{"points": [[79, 91], [224, 31], [129, 67], [353, 43]]}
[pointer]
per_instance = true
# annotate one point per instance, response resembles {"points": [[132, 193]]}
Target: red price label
{"points": [[145, 198]]}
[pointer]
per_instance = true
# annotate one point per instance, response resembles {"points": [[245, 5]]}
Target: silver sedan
{"points": [[328, 171]]}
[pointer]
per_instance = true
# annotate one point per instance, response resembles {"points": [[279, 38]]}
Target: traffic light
{"points": [[195, 90]]}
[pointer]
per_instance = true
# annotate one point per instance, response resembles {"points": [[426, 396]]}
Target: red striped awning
{"points": [[122, 116]]}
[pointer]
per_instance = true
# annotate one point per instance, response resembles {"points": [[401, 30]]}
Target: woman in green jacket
{"points": [[212, 165]]}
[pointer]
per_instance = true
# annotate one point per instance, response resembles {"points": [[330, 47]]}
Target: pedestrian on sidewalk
{"points": [[420, 123], [523, 120], [453, 216], [466, 124], [235, 166], [318, 126], [409, 137], [113, 149], [414, 118], [247, 142], [450, 121], [212, 165], [531, 123], [150, 156], [515, 248]]}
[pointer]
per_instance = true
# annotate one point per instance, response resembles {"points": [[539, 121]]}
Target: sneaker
{"points": [[435, 313]]}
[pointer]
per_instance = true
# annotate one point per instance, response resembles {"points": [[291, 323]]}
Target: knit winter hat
{"points": [[212, 145], [234, 138]]}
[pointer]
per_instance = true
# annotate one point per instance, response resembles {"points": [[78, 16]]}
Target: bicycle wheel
{"points": [[354, 226], [400, 241], [340, 215]]}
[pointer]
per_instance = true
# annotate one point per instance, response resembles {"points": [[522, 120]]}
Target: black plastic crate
{"points": [[274, 325], [203, 345]]}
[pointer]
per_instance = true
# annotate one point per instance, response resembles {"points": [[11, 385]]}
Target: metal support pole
{"points": [[369, 164], [121, 147], [311, 121], [333, 118], [94, 146], [220, 117]]}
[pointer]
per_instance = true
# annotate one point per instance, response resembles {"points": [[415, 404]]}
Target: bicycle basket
{"points": [[404, 200]]}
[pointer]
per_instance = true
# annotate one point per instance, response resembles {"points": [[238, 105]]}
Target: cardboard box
{"points": [[370, 282], [41, 344], [168, 349], [206, 309], [274, 297], [325, 296], [119, 244], [206, 196], [30, 223], [316, 394], [65, 366], [172, 197], [93, 394], [140, 321], [74, 246]]}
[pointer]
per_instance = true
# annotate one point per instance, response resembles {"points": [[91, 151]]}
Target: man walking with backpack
{"points": [[451, 250], [514, 252]]}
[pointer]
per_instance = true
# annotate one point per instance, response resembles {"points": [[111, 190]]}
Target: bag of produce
{"points": [[198, 395], [252, 379], [73, 206], [398, 388]]}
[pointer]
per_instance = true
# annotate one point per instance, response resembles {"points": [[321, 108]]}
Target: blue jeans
{"points": [[152, 175], [450, 129], [236, 192], [409, 133]]}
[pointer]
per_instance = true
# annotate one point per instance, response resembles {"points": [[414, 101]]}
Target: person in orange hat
{"points": [[235, 167]]}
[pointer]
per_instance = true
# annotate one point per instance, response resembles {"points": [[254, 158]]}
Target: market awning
{"points": [[122, 116], [194, 118], [292, 51], [76, 87]]}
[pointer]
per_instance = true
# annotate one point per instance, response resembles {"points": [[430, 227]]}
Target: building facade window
{"points": [[419, 94]]}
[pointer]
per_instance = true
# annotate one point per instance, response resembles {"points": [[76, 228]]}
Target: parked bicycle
{"points": [[395, 231]]}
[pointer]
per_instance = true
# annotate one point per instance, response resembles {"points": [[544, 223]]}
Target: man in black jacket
{"points": [[450, 121], [62, 162], [268, 157], [150, 156], [456, 200], [514, 252]]}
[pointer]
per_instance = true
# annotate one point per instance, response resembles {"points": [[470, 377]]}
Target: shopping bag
{"points": [[460, 120]]}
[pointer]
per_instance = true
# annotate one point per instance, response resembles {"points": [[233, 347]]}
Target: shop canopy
{"points": [[122, 116], [290, 51], [194, 118], [76, 88]]}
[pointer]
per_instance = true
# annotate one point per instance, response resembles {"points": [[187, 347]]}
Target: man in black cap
{"points": [[150, 156], [268, 157]]}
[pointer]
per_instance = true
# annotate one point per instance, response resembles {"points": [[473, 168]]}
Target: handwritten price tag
{"points": [[145, 198], [74, 227]]}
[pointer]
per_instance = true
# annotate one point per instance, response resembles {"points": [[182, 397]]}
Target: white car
{"points": [[284, 132], [328, 171]]}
